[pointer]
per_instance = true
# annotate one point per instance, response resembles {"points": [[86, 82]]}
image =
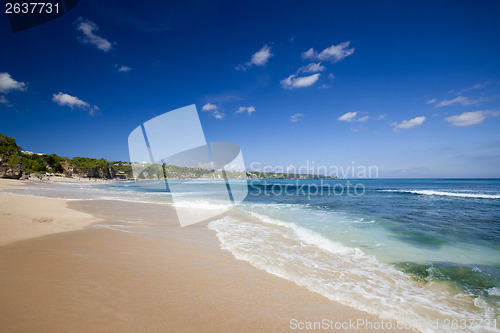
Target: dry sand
{"points": [[25, 217], [103, 280]]}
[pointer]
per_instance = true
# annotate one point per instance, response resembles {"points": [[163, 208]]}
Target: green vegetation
{"points": [[14, 159], [8, 146], [120, 166], [34, 163], [10, 152], [88, 163], [171, 171], [39, 163]]}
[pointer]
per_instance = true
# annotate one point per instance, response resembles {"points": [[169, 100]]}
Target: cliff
{"points": [[10, 158]]}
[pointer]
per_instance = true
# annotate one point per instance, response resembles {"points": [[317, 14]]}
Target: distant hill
{"points": [[13, 162]]}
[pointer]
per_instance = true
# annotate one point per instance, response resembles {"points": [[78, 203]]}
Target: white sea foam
{"points": [[448, 194], [494, 291], [201, 204], [121, 228], [341, 273]]}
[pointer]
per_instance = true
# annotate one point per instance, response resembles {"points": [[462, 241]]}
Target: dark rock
{"points": [[106, 172]]}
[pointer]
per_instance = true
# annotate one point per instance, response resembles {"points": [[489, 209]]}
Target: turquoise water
{"points": [[431, 246], [423, 252]]}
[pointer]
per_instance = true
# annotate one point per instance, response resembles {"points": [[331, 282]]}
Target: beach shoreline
{"points": [[26, 217], [97, 276]]}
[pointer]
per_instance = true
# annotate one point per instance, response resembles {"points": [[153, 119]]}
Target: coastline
{"points": [[102, 278]]}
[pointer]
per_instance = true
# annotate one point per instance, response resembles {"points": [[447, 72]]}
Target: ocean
{"points": [[422, 252]]}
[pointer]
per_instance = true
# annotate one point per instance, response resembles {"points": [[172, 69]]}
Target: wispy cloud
{"points": [[294, 81], [259, 58], [214, 110], [88, 30], [431, 101], [406, 124], [296, 117], [313, 67], [123, 68], [72, 101], [334, 53], [464, 101], [7, 83], [470, 118], [477, 86], [5, 101], [217, 114], [248, 109], [353, 116]]}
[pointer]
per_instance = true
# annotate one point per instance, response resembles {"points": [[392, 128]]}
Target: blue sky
{"points": [[412, 87]]}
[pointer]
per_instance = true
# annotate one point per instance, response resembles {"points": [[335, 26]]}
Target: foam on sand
{"points": [[341, 273]]}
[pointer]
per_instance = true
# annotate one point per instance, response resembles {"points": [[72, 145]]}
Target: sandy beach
{"points": [[30, 217], [66, 268]]}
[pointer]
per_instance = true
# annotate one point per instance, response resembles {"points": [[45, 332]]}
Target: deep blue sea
{"points": [[424, 252]]}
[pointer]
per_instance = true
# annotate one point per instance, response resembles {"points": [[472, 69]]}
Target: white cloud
{"points": [[464, 101], [5, 101], [248, 109], [334, 53], [296, 117], [352, 116], [331, 76], [89, 29], [431, 101], [309, 54], [470, 118], [7, 83], [259, 58], [299, 82], [68, 100], [217, 114], [72, 101], [477, 86], [382, 116], [123, 68], [214, 110], [209, 107], [262, 56], [313, 67], [349, 116], [406, 124]]}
